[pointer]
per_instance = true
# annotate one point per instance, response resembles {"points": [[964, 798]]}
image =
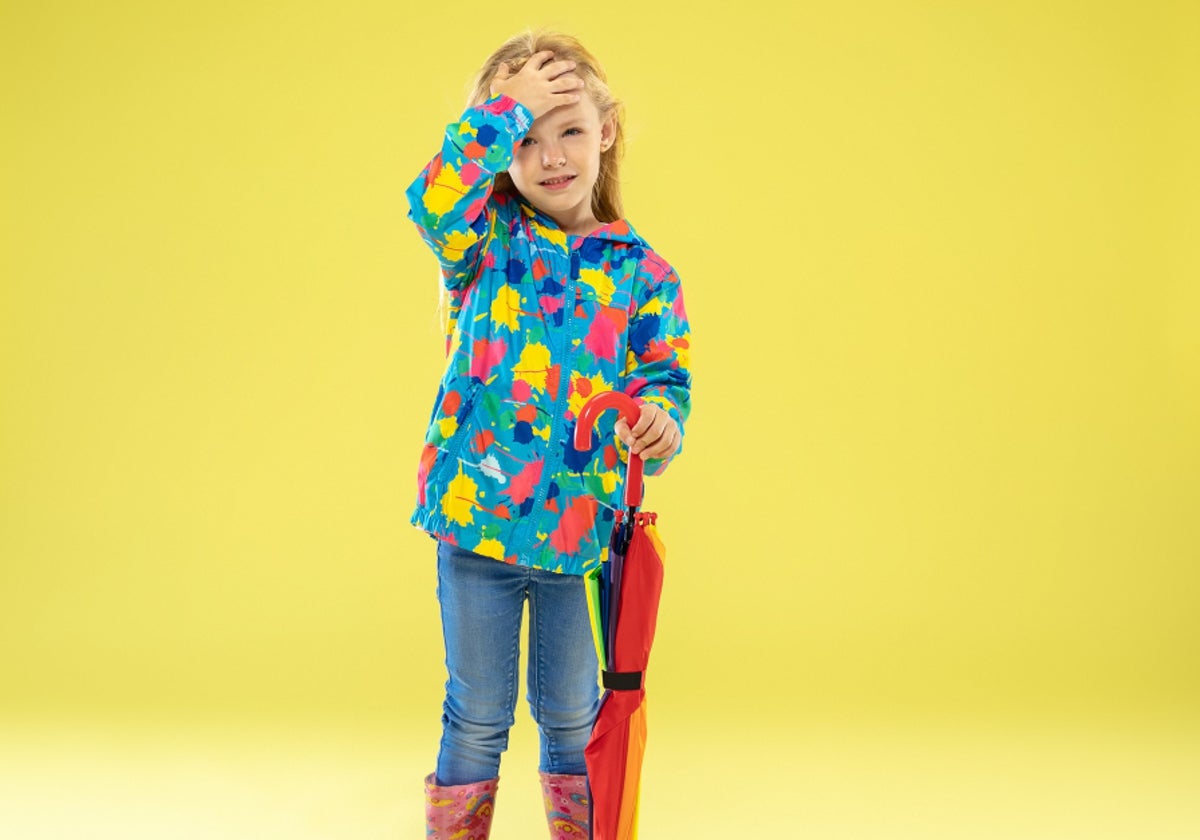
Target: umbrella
{"points": [[623, 595]]}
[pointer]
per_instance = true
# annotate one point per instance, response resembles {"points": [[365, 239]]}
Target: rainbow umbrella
{"points": [[623, 596]]}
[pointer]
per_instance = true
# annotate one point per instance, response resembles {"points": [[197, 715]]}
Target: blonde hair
{"points": [[606, 193]]}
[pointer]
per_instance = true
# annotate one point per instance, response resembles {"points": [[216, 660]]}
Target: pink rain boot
{"points": [[461, 812], [566, 806]]}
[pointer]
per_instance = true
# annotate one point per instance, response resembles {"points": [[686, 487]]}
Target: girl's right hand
{"points": [[540, 85]]}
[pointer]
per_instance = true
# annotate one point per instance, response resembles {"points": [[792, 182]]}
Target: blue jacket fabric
{"points": [[540, 321]]}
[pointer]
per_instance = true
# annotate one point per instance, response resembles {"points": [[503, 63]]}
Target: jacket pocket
{"points": [[450, 426]]}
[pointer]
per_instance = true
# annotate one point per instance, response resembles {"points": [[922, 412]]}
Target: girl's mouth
{"points": [[558, 183]]}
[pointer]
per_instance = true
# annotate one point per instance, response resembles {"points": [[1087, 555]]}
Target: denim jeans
{"points": [[481, 604]]}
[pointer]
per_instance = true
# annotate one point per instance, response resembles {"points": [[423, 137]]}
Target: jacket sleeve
{"points": [[657, 360], [448, 201]]}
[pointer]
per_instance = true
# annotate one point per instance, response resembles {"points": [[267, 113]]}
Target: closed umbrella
{"points": [[623, 597]]}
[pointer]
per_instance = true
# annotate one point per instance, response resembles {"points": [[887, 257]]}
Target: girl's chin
{"points": [[551, 203]]}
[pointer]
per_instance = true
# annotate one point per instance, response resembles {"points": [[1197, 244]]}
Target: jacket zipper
{"points": [[553, 458]]}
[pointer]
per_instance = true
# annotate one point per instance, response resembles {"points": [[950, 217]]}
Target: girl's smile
{"points": [[558, 183]]}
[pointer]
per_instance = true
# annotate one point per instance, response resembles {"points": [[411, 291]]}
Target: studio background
{"points": [[932, 542]]}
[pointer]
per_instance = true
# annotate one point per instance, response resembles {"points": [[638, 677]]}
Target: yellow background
{"points": [[932, 543]]}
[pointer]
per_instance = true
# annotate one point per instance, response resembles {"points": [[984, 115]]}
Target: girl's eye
{"points": [[568, 131]]}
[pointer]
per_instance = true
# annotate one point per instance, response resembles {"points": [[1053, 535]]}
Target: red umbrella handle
{"points": [[631, 411]]}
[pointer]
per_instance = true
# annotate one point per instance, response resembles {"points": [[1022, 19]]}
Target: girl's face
{"points": [[563, 143]]}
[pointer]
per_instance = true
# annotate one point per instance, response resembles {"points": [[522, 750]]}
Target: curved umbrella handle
{"points": [[632, 413]]}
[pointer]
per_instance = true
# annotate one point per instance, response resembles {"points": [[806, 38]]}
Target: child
{"points": [[552, 298]]}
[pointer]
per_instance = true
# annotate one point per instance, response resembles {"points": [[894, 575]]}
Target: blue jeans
{"points": [[481, 603]]}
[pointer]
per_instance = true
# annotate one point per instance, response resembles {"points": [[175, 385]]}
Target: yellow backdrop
{"points": [[943, 468]]}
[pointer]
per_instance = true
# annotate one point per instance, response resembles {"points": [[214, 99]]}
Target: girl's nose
{"points": [[553, 157]]}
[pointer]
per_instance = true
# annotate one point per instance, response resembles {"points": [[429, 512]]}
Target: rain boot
{"points": [[566, 803], [462, 812]]}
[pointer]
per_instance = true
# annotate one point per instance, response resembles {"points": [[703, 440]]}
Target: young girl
{"points": [[553, 297]]}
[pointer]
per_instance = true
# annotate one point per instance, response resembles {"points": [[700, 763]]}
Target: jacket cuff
{"points": [[511, 122]]}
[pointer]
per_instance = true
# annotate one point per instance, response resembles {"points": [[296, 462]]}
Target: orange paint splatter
{"points": [[482, 441]]}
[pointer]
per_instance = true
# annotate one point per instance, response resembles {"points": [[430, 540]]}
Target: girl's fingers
{"points": [[659, 437], [622, 430], [645, 444], [566, 83], [631, 435], [645, 420], [671, 444], [659, 425], [662, 448], [541, 60], [558, 68], [655, 435]]}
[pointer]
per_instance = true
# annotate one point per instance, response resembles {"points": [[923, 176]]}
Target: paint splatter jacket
{"points": [[540, 321]]}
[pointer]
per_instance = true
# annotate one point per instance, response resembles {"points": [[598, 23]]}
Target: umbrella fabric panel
{"points": [[630, 795], [637, 603], [592, 583]]}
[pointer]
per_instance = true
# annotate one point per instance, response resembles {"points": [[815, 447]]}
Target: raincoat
{"points": [[540, 320]]}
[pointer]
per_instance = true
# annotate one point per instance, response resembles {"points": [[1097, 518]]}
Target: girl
{"points": [[553, 297]]}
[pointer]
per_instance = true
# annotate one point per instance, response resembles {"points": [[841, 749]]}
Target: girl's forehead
{"points": [[582, 111]]}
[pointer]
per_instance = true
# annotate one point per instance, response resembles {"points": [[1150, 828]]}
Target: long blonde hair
{"points": [[606, 193]]}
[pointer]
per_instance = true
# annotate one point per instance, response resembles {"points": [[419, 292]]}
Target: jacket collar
{"points": [[617, 231]]}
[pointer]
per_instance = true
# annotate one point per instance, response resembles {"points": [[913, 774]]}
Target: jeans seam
{"points": [[514, 682], [546, 731], [445, 639]]}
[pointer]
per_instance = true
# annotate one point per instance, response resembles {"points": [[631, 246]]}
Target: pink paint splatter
{"points": [[523, 482], [601, 340], [576, 521], [485, 355], [470, 173]]}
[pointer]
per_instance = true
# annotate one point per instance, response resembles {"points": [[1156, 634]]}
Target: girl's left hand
{"points": [[655, 435]]}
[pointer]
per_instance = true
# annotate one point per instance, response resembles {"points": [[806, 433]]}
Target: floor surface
{"points": [[835, 782]]}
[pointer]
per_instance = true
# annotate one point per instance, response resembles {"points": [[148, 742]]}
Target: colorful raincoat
{"points": [[540, 320]]}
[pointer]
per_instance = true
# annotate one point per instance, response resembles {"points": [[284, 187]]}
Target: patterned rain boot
{"points": [[461, 812], [566, 806]]}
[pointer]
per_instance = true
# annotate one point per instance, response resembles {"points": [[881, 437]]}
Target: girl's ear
{"points": [[608, 133]]}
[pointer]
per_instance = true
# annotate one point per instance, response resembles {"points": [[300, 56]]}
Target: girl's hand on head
{"points": [[541, 85], [655, 435]]}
